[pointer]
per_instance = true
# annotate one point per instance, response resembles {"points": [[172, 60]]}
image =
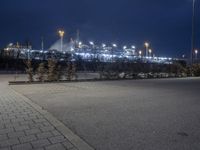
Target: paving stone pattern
{"points": [[23, 128]]}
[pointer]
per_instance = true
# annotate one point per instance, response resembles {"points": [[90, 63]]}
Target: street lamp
{"points": [[114, 45], [140, 53], [150, 51], [146, 44], [79, 44], [125, 47], [93, 48], [91, 43], [193, 30], [103, 45], [133, 47], [61, 33], [196, 53]]}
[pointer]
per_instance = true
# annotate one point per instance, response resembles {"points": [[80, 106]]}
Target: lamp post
{"points": [[146, 44], [140, 53], [92, 43], [79, 44], [125, 47], [42, 47], [150, 51], [103, 45], [196, 53], [93, 47], [125, 51], [114, 46], [61, 33], [193, 29], [133, 47], [42, 43]]}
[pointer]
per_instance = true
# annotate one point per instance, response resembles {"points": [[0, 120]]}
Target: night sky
{"points": [[166, 24]]}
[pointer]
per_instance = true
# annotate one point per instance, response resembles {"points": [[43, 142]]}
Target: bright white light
{"points": [[10, 44], [146, 44], [196, 51], [80, 43], [91, 43], [125, 47], [61, 33], [161, 58], [133, 47], [114, 45], [103, 45]]}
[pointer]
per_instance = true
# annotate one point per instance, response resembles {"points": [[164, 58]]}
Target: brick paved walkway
{"points": [[25, 126]]}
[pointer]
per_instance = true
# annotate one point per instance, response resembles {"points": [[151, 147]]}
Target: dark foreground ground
{"points": [[126, 115]]}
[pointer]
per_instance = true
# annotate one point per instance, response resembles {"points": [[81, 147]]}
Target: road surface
{"points": [[158, 114]]}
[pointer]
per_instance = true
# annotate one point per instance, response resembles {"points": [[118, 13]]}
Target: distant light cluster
{"points": [[77, 50]]}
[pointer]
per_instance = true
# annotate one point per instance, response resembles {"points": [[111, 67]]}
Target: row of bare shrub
{"points": [[51, 71]]}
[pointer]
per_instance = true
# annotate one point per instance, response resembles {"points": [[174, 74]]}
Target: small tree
{"points": [[188, 71], [41, 72], [29, 70], [73, 72], [59, 73], [52, 73], [69, 71], [196, 70], [100, 69]]}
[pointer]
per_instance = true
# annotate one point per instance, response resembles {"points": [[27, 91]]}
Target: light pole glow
{"points": [[93, 48], [114, 45], [61, 33], [91, 43], [133, 47], [196, 53], [150, 51], [140, 53], [193, 31], [103, 45], [146, 44], [79, 44]]}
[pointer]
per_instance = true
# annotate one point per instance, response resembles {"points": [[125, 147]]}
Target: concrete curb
{"points": [[64, 81], [73, 138], [89, 80]]}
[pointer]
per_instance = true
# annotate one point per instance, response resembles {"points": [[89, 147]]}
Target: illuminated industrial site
{"points": [[87, 51]]}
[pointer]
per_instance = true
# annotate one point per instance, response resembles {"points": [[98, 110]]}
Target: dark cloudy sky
{"points": [[164, 23]]}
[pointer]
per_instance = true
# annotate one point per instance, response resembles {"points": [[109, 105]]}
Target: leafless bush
{"points": [[29, 70]]}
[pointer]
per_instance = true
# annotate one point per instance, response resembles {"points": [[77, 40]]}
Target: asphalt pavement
{"points": [[157, 114]]}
